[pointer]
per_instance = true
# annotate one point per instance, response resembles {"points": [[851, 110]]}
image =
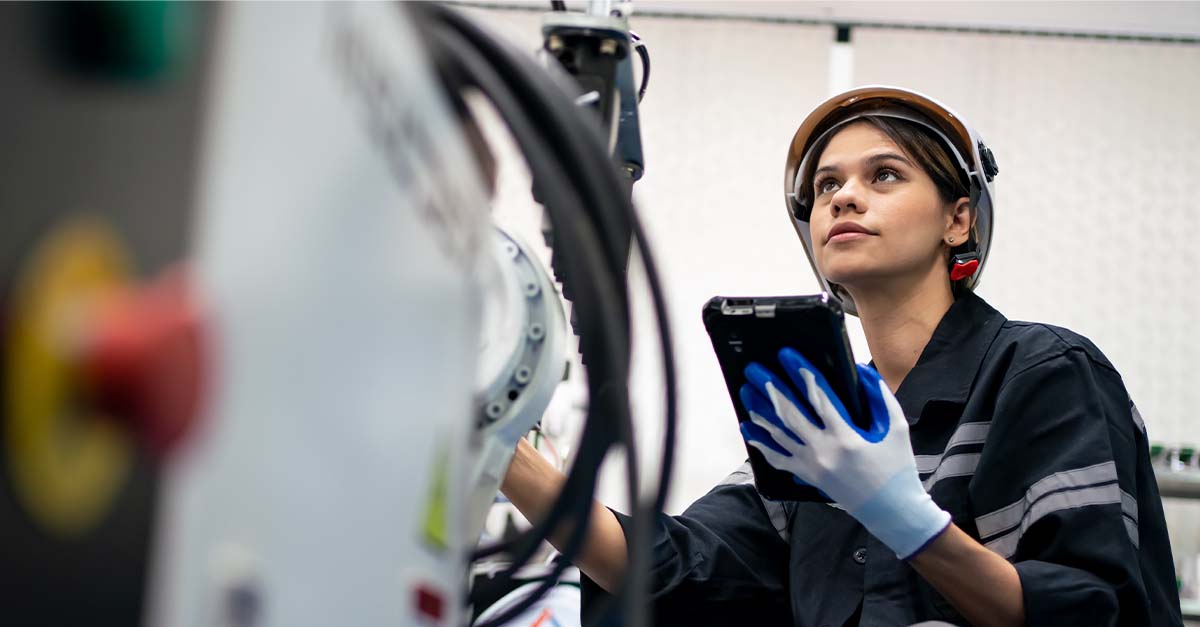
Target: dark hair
{"points": [[927, 151]]}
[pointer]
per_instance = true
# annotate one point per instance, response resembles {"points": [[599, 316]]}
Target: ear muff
{"points": [[798, 208], [963, 265]]}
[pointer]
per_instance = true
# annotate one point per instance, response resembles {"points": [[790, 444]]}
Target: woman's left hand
{"points": [[870, 472]]}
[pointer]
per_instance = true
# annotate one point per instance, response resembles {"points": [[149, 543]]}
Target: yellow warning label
{"points": [[435, 527]]}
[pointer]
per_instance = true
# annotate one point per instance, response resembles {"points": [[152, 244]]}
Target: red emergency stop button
{"points": [[143, 361]]}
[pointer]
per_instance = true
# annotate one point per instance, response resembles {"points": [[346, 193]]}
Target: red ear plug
{"points": [[963, 269]]}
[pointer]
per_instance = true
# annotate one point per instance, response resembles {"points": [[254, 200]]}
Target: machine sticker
{"points": [[434, 526]]}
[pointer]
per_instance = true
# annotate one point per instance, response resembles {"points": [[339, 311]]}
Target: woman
{"points": [[1005, 479]]}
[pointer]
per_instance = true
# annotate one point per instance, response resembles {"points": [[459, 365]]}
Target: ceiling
{"points": [[1170, 19]]}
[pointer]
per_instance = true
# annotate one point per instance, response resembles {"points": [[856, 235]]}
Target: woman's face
{"points": [[876, 216]]}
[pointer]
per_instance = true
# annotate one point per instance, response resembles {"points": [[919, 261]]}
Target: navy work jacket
{"points": [[1023, 432]]}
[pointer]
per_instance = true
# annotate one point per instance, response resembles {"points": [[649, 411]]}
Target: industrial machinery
{"points": [[264, 357]]}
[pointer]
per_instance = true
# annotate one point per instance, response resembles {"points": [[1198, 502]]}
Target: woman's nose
{"points": [[848, 197]]}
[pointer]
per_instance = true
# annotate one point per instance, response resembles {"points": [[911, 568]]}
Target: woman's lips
{"points": [[847, 232], [848, 236]]}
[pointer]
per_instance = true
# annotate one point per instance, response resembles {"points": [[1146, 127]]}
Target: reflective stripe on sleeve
{"points": [[1129, 506], [952, 466], [1071, 498], [1009, 516], [966, 433], [1062, 490]]}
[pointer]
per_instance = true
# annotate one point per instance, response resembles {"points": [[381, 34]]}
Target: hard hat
{"points": [[965, 146]]}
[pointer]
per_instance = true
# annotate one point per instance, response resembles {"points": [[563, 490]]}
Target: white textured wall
{"points": [[1096, 201], [1097, 146]]}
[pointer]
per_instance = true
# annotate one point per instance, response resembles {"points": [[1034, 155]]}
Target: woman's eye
{"points": [[887, 176], [826, 186]]}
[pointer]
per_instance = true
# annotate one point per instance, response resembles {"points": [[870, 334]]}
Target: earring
{"points": [[951, 240]]}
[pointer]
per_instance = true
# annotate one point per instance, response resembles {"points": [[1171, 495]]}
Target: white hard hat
{"points": [[966, 147]]}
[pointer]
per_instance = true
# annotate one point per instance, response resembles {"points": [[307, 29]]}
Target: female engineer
{"points": [[1005, 479]]}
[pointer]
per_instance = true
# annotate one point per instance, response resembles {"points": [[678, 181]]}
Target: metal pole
{"points": [[600, 7]]}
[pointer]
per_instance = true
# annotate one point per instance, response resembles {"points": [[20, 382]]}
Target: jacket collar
{"points": [[948, 365]]}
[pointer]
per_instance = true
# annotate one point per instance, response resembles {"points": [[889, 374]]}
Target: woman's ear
{"points": [[959, 222]]}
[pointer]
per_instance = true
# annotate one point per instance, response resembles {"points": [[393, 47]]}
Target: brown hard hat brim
{"points": [[835, 109]]}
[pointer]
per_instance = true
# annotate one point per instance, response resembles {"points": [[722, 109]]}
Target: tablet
{"points": [[754, 329]]}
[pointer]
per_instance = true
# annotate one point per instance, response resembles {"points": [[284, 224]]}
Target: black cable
{"points": [[600, 214], [573, 546], [521, 130], [578, 535], [579, 144], [533, 595], [540, 162], [632, 584], [578, 140], [644, 54], [660, 312], [671, 409], [472, 60]]}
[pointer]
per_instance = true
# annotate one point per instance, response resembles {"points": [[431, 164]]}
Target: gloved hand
{"points": [[871, 473]]}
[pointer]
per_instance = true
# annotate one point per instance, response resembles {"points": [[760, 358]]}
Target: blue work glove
{"points": [[870, 473]]}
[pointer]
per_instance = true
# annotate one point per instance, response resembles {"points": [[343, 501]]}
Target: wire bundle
{"points": [[591, 213]]}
